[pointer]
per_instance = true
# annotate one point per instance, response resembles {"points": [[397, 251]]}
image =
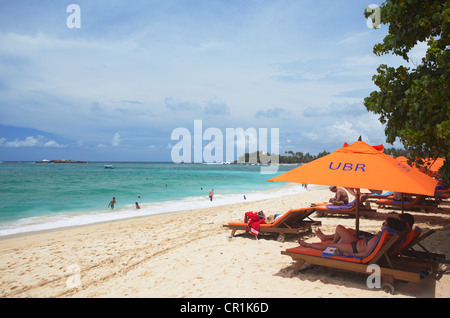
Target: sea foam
{"points": [[64, 220]]}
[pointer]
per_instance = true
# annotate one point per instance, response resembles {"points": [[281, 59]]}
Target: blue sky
{"points": [[117, 87]]}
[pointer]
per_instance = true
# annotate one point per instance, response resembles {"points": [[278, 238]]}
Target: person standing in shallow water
{"points": [[211, 193], [112, 203]]}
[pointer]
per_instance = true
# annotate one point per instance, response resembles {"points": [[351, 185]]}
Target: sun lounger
{"points": [[349, 209], [414, 259], [391, 268], [419, 202], [414, 238], [380, 196], [442, 193], [292, 222]]}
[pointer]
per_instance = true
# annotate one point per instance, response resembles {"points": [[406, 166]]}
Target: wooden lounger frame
{"points": [[415, 204], [323, 208], [292, 222], [392, 266]]}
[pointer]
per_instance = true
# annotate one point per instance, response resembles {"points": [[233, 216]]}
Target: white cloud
{"points": [[343, 129], [311, 135], [336, 109], [418, 52], [116, 140], [275, 112], [31, 141], [52, 143], [159, 66], [354, 38], [177, 104], [214, 45], [216, 106], [361, 60]]}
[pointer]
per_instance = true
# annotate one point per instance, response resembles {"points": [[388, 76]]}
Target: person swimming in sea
{"points": [[112, 203]]}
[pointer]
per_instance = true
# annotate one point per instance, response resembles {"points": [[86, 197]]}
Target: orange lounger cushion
{"points": [[274, 224], [413, 234], [393, 202], [314, 252]]}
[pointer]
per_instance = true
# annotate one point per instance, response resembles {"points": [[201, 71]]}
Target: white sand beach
{"points": [[190, 254]]}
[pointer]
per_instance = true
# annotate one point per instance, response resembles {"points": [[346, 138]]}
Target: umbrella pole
{"points": [[402, 204], [357, 211]]}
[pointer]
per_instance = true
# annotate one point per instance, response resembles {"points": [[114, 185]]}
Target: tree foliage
{"points": [[300, 157], [414, 103], [291, 158], [393, 152]]}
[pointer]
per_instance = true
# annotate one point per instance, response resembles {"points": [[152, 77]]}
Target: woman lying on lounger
{"points": [[350, 234], [349, 244]]}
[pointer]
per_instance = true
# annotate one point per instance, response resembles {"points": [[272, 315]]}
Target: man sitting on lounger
{"points": [[341, 196], [349, 244]]}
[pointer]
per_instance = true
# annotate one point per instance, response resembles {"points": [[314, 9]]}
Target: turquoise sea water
{"points": [[49, 195]]}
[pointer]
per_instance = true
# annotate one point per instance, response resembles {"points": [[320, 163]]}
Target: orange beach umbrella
{"points": [[362, 166], [430, 166], [434, 164]]}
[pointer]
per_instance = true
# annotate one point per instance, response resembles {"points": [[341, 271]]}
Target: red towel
{"points": [[254, 222]]}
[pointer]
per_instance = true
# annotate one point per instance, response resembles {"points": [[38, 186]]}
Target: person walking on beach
{"points": [[211, 193], [111, 204]]}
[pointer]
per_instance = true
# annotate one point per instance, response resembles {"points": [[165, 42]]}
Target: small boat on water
{"points": [[109, 167]]}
